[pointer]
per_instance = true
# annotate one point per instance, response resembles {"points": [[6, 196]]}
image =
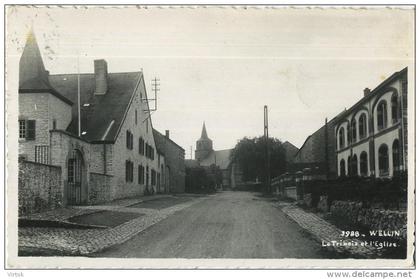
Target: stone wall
{"points": [[99, 188], [39, 187], [373, 218]]}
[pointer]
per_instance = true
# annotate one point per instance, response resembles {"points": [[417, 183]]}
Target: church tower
{"points": [[204, 145]]}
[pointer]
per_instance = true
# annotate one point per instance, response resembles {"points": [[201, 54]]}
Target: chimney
{"points": [[101, 77], [167, 133], [366, 92]]}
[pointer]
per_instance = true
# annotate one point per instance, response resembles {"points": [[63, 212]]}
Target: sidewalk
{"points": [[64, 241], [324, 232]]}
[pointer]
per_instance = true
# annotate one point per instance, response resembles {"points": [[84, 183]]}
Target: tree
{"points": [[249, 154]]}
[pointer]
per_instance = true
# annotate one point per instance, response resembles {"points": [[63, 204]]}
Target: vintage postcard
{"points": [[262, 137]]}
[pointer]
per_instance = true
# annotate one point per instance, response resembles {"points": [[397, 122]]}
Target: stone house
{"points": [[317, 154], [173, 167], [102, 140], [371, 136]]}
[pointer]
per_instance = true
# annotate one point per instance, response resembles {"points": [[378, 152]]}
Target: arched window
{"points": [[396, 155], [394, 108], [353, 167], [382, 115], [362, 126], [341, 137], [353, 131], [349, 165], [342, 167], [363, 164], [383, 160]]}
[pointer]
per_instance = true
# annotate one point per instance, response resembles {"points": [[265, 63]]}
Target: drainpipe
{"points": [[104, 159]]}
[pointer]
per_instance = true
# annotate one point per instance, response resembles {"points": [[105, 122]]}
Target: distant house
{"points": [[173, 168], [372, 134], [317, 154], [103, 144]]}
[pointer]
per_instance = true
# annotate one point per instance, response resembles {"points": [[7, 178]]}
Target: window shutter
{"points": [[30, 129]]}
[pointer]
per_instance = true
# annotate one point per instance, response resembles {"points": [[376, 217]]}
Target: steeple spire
{"points": [[31, 67], [204, 132]]}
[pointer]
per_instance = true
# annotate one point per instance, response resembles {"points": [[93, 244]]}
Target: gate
{"points": [[74, 178]]}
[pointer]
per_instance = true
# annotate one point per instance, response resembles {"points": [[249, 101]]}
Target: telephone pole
{"points": [[267, 150]]}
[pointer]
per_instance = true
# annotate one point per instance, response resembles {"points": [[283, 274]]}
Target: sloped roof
{"points": [[220, 158], [102, 118], [160, 141], [33, 77], [291, 151]]}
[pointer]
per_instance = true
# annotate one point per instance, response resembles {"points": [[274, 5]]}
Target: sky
{"points": [[221, 65]]}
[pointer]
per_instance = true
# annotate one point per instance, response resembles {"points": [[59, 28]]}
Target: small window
{"points": [[394, 108], [383, 160], [382, 115], [129, 171], [141, 174], [341, 137], [363, 164], [342, 168], [353, 131], [396, 156], [135, 117], [22, 129], [141, 146], [362, 126], [129, 140], [30, 129], [54, 124]]}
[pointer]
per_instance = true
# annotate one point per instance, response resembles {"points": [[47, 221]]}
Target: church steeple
{"points": [[204, 145], [204, 132], [32, 73]]}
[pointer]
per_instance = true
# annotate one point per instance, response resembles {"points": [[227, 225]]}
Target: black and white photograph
{"points": [[262, 137]]}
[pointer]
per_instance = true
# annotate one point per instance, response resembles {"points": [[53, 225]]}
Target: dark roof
{"points": [[220, 158], [191, 163], [33, 78], [382, 85], [104, 111], [291, 150], [160, 141]]}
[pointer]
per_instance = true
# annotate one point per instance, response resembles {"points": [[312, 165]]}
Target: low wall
{"points": [[99, 188], [373, 218], [39, 187]]}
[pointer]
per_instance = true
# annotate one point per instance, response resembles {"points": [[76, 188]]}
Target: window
{"points": [[141, 174], [363, 164], [342, 168], [383, 160], [396, 155], [141, 146], [54, 124], [362, 126], [382, 115], [153, 177], [147, 125], [135, 117], [129, 171], [353, 131], [27, 129], [349, 171], [394, 108], [353, 167], [22, 129], [341, 137], [129, 139]]}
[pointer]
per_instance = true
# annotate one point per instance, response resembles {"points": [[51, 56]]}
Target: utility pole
{"points": [[267, 150]]}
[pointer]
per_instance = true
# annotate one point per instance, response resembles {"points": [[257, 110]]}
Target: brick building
{"points": [[372, 134], [104, 143], [173, 168]]}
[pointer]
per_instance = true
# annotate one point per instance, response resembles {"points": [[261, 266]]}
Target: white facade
{"points": [[370, 135]]}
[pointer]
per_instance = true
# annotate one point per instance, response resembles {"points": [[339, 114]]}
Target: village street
{"points": [[224, 225]]}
